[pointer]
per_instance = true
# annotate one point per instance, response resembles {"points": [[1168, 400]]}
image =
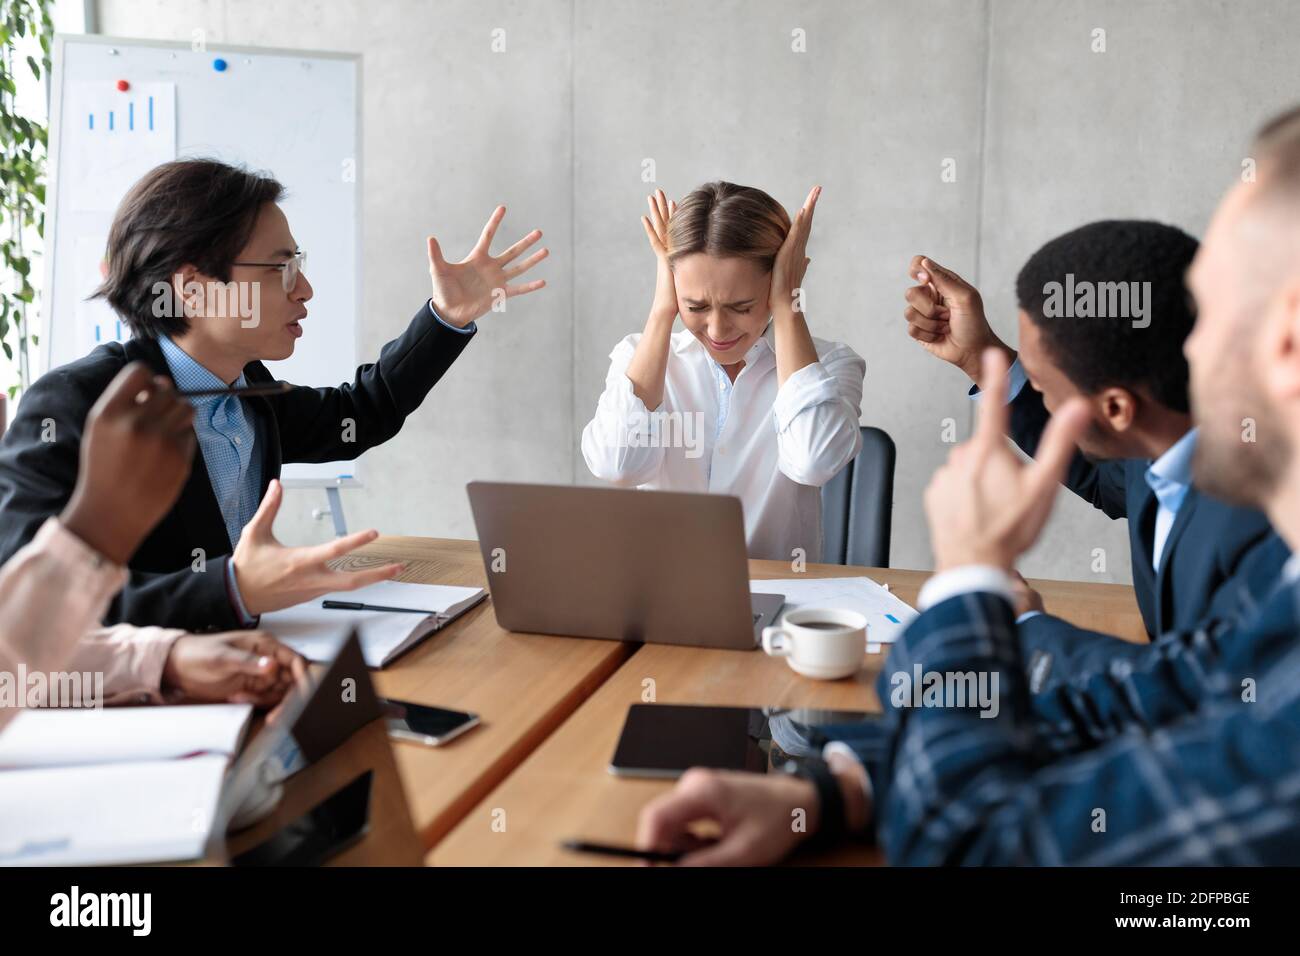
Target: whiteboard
{"points": [[294, 114]]}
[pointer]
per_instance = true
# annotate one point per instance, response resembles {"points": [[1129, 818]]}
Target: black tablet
{"points": [[665, 740]]}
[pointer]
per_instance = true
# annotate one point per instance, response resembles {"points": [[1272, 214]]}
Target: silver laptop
{"points": [[660, 567]]}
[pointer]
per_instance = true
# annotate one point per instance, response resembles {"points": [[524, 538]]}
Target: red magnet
{"points": [[123, 85]]}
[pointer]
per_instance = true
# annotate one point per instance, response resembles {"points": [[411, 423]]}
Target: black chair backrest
{"points": [[857, 505]]}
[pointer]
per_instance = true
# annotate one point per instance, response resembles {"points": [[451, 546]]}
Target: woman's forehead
{"points": [[702, 276]]}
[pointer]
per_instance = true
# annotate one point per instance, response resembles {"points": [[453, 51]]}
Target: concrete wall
{"points": [[1044, 132]]}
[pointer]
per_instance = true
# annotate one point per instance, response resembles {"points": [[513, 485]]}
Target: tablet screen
{"points": [[665, 740]]}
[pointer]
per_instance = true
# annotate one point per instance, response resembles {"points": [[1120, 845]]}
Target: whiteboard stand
{"points": [[333, 498]]}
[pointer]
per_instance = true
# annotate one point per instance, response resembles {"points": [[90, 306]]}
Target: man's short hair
{"points": [[1102, 352], [1277, 149], [193, 211]]}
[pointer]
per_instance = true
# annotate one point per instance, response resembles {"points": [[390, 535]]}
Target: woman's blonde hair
{"points": [[725, 220]]}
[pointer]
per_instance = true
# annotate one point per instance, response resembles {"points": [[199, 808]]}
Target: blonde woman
{"points": [[744, 400]]}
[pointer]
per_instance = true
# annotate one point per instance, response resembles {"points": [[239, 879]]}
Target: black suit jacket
{"points": [[1210, 555], [169, 584]]}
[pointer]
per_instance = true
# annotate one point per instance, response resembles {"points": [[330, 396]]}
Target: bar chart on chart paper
{"points": [[97, 323], [112, 137]]}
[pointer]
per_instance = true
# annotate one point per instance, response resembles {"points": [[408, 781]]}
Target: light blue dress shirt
{"points": [[1016, 380], [227, 438], [1170, 476]]}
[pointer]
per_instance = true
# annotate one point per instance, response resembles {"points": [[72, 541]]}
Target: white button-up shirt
{"points": [[771, 447]]}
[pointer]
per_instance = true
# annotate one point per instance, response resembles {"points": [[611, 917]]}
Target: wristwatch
{"points": [[832, 826]]}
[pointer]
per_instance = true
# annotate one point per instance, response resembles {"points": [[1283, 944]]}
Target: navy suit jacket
{"points": [[1188, 759], [1216, 559], [302, 425]]}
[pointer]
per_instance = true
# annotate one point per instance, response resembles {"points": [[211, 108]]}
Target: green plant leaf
{"points": [[24, 145]]}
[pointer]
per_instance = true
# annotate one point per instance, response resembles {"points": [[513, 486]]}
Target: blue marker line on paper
{"points": [[92, 120], [894, 619], [119, 330], [96, 332], [151, 112], [110, 120], [130, 116]]}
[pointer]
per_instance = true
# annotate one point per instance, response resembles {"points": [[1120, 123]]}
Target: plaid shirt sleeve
{"points": [[971, 785], [1136, 691]]}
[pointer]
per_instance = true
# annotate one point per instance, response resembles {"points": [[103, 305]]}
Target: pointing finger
{"points": [[993, 414]]}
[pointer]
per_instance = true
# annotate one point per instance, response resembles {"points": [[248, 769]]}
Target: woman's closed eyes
{"points": [[739, 310]]}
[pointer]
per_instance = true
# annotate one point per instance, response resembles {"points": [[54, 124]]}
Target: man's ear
{"points": [[1116, 406], [187, 289], [1278, 346]]}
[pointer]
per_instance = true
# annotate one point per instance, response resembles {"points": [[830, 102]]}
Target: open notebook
{"points": [[313, 630], [120, 785]]}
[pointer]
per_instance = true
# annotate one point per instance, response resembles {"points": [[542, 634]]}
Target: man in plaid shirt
{"points": [[1168, 760]]}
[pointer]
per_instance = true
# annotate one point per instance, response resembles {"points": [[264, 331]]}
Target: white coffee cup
{"points": [[821, 642]]}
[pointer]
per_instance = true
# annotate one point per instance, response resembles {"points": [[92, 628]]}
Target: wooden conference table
{"points": [[534, 773]]}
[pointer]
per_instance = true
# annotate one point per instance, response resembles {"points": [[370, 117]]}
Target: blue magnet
{"points": [[219, 65]]}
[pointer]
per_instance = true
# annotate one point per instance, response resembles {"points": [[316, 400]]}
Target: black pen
{"points": [[355, 606], [243, 391], [626, 852]]}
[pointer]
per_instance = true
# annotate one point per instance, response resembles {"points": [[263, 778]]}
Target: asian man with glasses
{"points": [[203, 267]]}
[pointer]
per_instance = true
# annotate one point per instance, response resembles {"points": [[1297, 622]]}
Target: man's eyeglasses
{"points": [[290, 269]]}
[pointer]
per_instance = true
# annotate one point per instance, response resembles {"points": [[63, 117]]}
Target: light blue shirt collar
{"points": [[1170, 475], [190, 375], [1291, 570]]}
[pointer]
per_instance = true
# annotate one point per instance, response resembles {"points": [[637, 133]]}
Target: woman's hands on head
{"points": [[649, 363], [656, 230], [792, 260], [793, 342]]}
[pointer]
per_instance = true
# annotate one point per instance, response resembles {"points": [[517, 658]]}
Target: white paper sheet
{"points": [[887, 616], [115, 813], [60, 738]]}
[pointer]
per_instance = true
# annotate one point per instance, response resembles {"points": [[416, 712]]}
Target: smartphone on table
{"points": [[422, 724]]}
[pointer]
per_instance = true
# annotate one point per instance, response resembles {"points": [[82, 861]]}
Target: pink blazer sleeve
{"points": [[53, 594]]}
